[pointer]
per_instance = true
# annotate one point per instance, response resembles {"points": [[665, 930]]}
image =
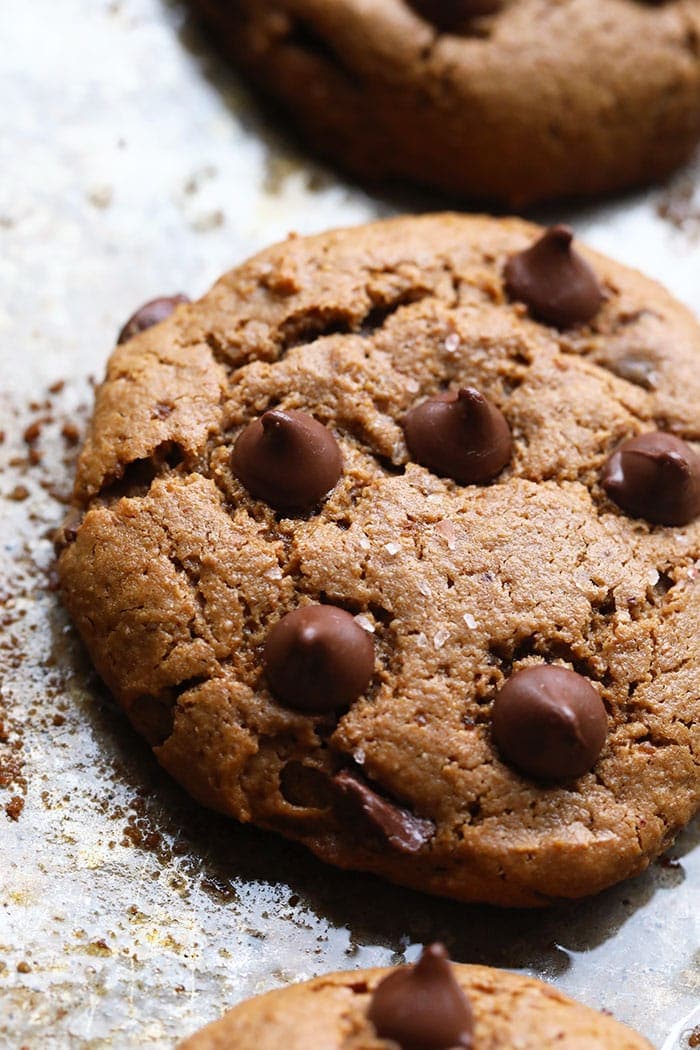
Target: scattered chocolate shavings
{"points": [[42, 445]]}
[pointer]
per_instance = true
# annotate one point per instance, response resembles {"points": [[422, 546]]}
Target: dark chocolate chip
{"points": [[554, 281], [460, 435], [655, 476], [549, 723], [455, 14], [318, 659], [149, 314], [288, 459], [422, 1007], [403, 830]]}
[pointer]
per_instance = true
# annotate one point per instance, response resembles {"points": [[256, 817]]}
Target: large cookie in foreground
{"points": [[486, 688], [430, 1006], [512, 101]]}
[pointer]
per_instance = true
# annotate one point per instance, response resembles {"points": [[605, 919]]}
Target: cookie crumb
{"points": [[100, 197], [18, 493]]}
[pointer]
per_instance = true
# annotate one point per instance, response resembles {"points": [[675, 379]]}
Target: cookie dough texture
{"points": [[544, 99], [176, 575], [330, 1013]]}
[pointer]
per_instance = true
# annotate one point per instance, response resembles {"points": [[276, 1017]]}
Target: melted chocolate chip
{"points": [[455, 14], [288, 459], [68, 531], [554, 281], [459, 435], [422, 1007], [399, 827], [318, 659], [550, 723], [655, 476], [636, 369], [149, 314]]}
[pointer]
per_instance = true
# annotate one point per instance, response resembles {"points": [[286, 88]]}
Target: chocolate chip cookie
{"points": [[432, 1005], [509, 101], [390, 544]]}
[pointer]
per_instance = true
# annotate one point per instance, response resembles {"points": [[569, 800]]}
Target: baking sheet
{"points": [[132, 164]]}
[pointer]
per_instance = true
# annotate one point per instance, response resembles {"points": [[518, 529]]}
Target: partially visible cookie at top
{"points": [[506, 101], [432, 1005], [390, 544]]}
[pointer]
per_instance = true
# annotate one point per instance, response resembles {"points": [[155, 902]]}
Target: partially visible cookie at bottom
{"points": [[433, 1005]]}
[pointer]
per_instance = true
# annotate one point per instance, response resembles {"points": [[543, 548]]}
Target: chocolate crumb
{"points": [[14, 807], [18, 493], [32, 432], [71, 433]]}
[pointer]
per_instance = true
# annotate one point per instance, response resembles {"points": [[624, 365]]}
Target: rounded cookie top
{"points": [[433, 1005], [513, 101], [330, 671]]}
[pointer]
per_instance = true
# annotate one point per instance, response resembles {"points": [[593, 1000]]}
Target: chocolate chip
{"points": [[655, 476], [455, 14], [152, 312], [554, 281], [549, 722], [635, 369], [460, 435], [288, 459], [422, 1007], [399, 827], [68, 531], [318, 659]]}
